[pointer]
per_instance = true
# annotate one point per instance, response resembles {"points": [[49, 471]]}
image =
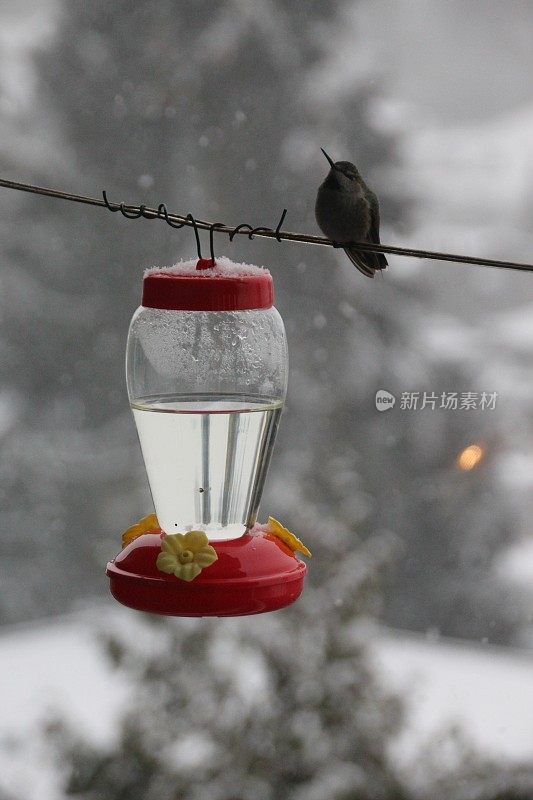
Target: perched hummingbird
{"points": [[348, 211]]}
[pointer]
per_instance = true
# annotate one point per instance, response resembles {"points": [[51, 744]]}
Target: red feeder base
{"points": [[253, 574]]}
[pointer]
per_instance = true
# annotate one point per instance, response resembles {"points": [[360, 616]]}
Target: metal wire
{"points": [[179, 221]]}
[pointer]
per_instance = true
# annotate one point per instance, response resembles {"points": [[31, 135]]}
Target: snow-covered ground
{"points": [[51, 670], [57, 669], [484, 691]]}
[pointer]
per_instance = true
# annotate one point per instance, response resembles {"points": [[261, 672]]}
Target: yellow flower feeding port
{"points": [[185, 554]]}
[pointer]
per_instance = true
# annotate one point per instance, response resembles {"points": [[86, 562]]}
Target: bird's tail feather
{"points": [[382, 261], [374, 260], [366, 263]]}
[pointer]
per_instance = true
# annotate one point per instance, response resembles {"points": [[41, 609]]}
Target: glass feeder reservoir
{"points": [[206, 370], [206, 388]]}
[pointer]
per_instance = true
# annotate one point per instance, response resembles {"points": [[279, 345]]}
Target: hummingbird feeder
{"points": [[206, 370]]}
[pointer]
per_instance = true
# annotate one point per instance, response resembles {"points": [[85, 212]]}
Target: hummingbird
{"points": [[346, 210]]}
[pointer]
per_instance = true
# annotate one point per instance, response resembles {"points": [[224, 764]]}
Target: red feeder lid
{"points": [[205, 285], [255, 573]]}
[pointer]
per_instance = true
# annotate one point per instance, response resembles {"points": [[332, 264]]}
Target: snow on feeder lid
{"points": [[206, 371], [198, 286]]}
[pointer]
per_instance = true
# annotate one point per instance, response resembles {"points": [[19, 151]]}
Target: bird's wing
{"points": [[374, 227]]}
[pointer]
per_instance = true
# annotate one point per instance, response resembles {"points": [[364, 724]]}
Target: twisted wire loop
{"points": [[261, 230], [278, 226], [135, 212], [215, 226], [196, 235], [177, 221], [238, 229], [162, 213]]}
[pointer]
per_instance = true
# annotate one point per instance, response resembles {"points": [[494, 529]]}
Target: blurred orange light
{"points": [[470, 457]]}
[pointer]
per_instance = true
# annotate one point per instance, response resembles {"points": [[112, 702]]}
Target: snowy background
{"points": [[418, 618]]}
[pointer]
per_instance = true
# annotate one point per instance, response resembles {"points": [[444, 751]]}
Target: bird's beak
{"points": [[331, 162]]}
